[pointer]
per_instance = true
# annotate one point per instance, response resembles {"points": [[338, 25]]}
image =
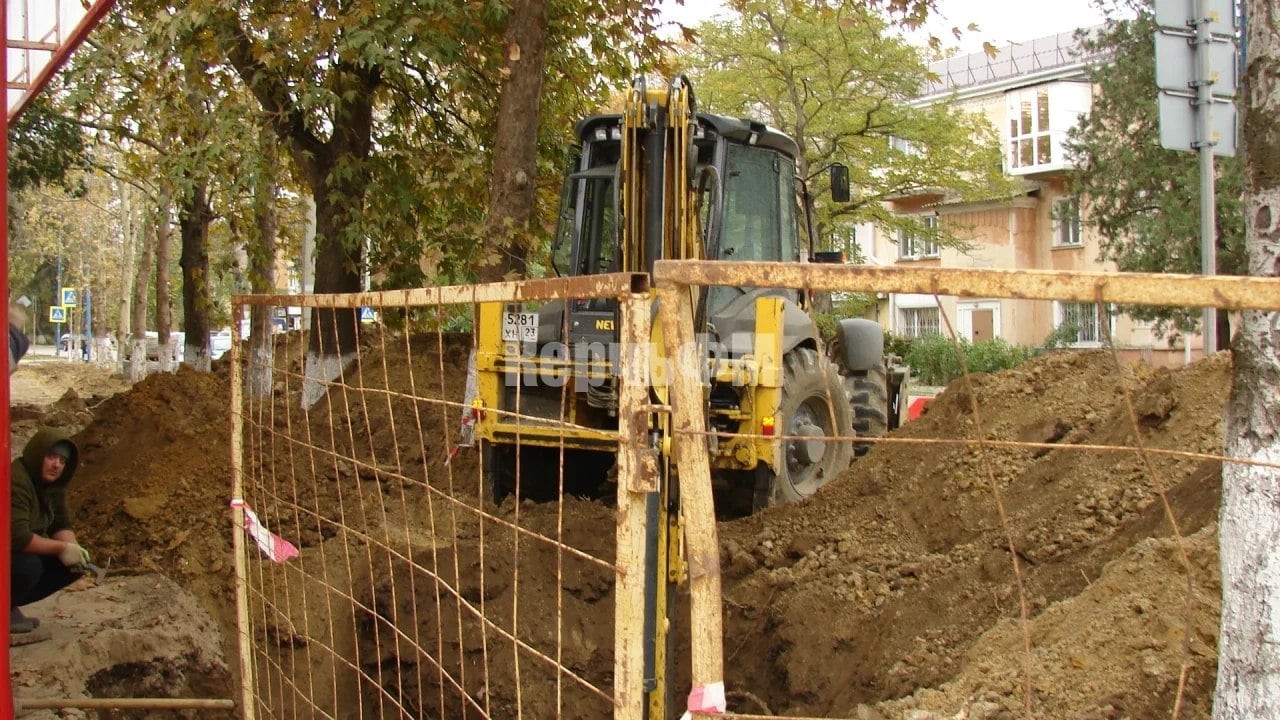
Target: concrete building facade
{"points": [[1033, 93]]}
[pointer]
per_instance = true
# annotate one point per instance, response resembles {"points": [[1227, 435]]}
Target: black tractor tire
{"points": [[813, 404], [868, 395]]}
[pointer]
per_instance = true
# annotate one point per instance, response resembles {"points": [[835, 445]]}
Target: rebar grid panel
{"points": [[1121, 420], [413, 594]]}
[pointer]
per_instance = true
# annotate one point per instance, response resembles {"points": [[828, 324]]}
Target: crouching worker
{"points": [[45, 554]]}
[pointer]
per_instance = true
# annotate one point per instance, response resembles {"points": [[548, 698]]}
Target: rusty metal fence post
{"points": [[636, 479], [702, 546]]}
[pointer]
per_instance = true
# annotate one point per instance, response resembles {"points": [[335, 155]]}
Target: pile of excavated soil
{"points": [[898, 576], [152, 490], [56, 392], [891, 592]]}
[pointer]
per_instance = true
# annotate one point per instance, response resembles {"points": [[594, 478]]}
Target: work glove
{"points": [[74, 556]]}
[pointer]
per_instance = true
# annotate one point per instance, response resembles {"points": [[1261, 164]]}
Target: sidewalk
{"points": [[46, 354]]}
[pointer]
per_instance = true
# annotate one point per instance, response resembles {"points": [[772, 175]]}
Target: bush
{"points": [[995, 355], [1061, 337], [896, 344], [843, 305], [935, 359]]}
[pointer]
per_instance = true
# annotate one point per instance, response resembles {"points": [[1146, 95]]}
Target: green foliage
{"points": [[895, 344], [46, 149], [1062, 336], [935, 359], [1143, 199], [843, 305], [391, 106], [996, 354], [384, 110], [838, 79], [56, 236]]}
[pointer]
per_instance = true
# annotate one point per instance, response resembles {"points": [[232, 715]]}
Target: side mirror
{"points": [[839, 183]]}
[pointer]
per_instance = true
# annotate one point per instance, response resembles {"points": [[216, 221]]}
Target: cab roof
{"points": [[738, 130]]}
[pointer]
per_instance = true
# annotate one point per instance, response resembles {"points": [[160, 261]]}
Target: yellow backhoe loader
{"points": [[663, 181], [731, 193]]}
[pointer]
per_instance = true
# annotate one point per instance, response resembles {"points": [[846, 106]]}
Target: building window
{"points": [[1037, 122], [917, 322], [906, 147], [921, 244], [1083, 320], [1066, 223], [845, 239], [1029, 141]]}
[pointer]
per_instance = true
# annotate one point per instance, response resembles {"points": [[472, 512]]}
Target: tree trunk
{"points": [[336, 172], [1249, 527], [512, 190], [194, 222], [262, 274], [333, 330], [137, 350], [164, 314], [128, 274], [309, 257]]}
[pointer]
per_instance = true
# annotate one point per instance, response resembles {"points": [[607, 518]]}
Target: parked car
{"points": [[219, 343], [178, 340]]}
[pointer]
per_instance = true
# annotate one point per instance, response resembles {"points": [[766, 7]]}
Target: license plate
{"points": [[520, 327]]}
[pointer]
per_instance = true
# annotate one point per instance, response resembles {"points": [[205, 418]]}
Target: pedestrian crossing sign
{"points": [[366, 315], [69, 297], [57, 314]]}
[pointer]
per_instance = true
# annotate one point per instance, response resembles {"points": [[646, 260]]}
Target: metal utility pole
{"points": [[1204, 117], [57, 326], [1196, 71], [88, 322]]}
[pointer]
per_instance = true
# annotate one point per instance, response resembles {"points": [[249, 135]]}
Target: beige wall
{"points": [[1016, 235]]}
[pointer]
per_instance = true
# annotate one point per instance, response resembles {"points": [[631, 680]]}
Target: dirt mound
{"points": [[895, 577], [900, 566], [152, 490], [53, 392]]}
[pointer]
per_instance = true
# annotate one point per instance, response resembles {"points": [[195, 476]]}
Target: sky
{"points": [[1000, 21]]}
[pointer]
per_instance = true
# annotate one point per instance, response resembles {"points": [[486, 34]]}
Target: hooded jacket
{"points": [[37, 507]]}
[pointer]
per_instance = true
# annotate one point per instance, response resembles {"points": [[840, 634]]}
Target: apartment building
{"points": [[1033, 93]]}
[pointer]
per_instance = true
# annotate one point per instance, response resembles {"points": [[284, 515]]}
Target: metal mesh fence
{"points": [[421, 589], [389, 579], [969, 513]]}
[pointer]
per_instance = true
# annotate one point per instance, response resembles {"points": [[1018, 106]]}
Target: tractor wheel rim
{"points": [[804, 456]]}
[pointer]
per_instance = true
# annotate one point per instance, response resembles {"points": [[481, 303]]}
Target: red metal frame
{"points": [[64, 47], [62, 50]]}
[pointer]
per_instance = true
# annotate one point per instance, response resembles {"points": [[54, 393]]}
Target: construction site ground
{"points": [[891, 594]]}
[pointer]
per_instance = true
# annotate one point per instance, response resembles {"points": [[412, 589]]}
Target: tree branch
{"points": [[281, 111]]}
